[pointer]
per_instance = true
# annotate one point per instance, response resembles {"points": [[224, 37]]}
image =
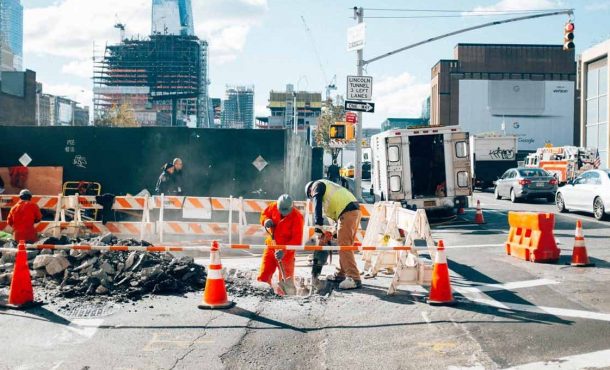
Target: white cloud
{"points": [[81, 68], [505, 5], [398, 96], [261, 110], [68, 28]]}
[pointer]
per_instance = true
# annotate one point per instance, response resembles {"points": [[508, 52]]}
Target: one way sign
{"points": [[359, 106]]}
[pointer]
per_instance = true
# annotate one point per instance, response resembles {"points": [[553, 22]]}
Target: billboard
{"points": [[536, 112]]}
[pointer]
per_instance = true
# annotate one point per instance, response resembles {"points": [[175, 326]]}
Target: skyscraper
{"points": [[11, 35], [172, 17], [238, 107]]}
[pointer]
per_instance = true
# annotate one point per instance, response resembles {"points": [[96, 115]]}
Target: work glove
{"points": [[279, 254], [269, 223]]}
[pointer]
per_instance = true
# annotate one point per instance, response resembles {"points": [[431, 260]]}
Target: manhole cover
{"points": [[87, 310]]}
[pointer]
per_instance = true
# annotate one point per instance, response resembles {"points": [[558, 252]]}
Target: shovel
{"points": [[285, 287]]}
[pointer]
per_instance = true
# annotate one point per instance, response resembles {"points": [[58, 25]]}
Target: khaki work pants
{"points": [[347, 227]]}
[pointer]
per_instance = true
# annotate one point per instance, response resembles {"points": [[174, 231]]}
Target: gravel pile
{"points": [[120, 276]]}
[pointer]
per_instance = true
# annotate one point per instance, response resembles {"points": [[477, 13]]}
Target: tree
{"points": [[331, 113], [118, 116]]}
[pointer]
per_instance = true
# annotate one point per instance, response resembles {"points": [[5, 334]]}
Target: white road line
{"points": [[473, 246], [506, 286], [543, 310], [85, 327], [425, 316], [593, 360]]}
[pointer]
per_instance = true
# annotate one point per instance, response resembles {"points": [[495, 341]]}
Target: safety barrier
{"points": [[531, 237], [390, 225], [200, 209]]}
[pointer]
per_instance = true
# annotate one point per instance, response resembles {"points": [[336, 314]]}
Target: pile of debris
{"points": [[120, 275]]}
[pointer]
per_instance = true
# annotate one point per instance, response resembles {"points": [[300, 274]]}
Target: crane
{"points": [[120, 26], [329, 86]]}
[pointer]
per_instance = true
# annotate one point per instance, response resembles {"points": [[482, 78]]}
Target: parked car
{"points": [[526, 183], [589, 192]]}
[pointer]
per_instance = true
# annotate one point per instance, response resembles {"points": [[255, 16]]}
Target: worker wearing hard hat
{"points": [[338, 204], [285, 226], [23, 216]]}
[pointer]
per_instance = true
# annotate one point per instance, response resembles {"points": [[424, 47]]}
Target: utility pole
{"points": [[359, 15]]}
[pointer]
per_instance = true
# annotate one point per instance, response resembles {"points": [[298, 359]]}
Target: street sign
{"points": [[355, 37], [351, 117], [359, 87], [359, 106]]}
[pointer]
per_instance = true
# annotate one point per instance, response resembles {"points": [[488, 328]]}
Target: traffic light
{"points": [[337, 131], [568, 36]]}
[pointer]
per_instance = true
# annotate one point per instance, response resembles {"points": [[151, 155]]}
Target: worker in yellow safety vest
{"points": [[341, 206]]}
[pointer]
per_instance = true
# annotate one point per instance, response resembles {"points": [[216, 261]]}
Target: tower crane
{"points": [[329, 86], [120, 26]]}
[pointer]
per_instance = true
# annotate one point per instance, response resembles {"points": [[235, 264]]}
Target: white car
{"points": [[589, 192]]}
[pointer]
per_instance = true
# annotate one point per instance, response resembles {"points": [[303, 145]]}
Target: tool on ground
{"points": [[285, 286], [215, 293], [580, 257]]}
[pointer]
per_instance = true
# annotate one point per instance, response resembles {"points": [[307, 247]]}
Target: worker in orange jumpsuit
{"points": [[23, 216], [285, 223]]}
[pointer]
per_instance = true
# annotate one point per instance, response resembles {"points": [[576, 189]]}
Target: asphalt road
{"points": [[509, 313]]}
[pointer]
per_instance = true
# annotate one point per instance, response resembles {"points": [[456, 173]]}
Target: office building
{"points": [[523, 90], [238, 107], [595, 99], [11, 35]]}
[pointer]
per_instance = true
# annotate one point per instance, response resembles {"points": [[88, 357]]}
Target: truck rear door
{"points": [[461, 175], [395, 175]]}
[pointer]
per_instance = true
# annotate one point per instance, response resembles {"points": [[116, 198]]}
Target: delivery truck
{"points": [[491, 156]]}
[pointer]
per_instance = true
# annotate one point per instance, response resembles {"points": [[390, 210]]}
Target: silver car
{"points": [[526, 183], [589, 192]]}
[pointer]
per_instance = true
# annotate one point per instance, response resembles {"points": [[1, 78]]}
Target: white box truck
{"points": [[491, 157], [423, 168]]}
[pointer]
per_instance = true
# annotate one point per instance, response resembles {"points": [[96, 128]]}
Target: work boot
{"points": [[335, 278], [350, 283]]}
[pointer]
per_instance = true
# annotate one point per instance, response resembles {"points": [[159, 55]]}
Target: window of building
{"points": [[596, 108]]}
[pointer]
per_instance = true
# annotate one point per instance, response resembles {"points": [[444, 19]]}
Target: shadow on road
{"points": [[36, 313]]}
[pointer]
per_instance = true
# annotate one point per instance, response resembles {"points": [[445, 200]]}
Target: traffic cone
{"points": [[21, 293], [440, 288], [215, 293], [579, 253], [478, 218]]}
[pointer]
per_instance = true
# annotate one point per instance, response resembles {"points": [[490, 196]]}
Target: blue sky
{"points": [[264, 42]]}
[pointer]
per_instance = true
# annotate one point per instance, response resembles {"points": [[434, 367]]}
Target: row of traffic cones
{"points": [[478, 217]]}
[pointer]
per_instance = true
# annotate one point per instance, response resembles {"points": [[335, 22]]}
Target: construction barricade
{"points": [[531, 237], [392, 225]]}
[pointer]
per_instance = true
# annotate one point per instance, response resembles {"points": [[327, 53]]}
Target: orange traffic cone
{"points": [[579, 253], [440, 288], [215, 293], [21, 293], [478, 218]]}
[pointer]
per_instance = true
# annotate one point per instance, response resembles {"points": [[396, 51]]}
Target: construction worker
{"points": [[338, 204], [23, 216], [165, 183], [285, 224], [177, 179]]}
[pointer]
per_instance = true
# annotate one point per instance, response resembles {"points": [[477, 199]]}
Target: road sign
{"points": [[359, 87], [359, 106], [351, 117], [355, 37]]}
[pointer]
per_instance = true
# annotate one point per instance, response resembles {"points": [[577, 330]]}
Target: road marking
{"points": [[473, 246], [543, 310], [593, 360], [425, 316], [85, 327], [506, 286]]}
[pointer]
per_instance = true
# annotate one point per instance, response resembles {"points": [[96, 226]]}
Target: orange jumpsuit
{"points": [[22, 218], [287, 231]]}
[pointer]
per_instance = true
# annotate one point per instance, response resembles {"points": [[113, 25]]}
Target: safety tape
{"points": [[122, 248]]}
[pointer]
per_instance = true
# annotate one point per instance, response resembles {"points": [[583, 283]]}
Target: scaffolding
{"points": [[164, 74]]}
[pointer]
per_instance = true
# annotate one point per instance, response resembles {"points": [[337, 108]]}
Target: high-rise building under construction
{"points": [[238, 107], [162, 80]]}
